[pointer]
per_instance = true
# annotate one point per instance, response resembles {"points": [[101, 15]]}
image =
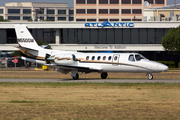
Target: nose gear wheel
{"points": [[150, 76]]}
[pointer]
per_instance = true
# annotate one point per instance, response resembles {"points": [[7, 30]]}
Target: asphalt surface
{"points": [[92, 80]]}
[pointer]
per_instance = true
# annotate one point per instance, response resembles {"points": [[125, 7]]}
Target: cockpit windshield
{"points": [[139, 57]]}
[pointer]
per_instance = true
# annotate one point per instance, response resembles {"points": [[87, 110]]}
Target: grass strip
{"points": [[87, 101]]}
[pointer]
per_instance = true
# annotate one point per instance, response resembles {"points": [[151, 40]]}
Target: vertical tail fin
{"points": [[24, 37]]}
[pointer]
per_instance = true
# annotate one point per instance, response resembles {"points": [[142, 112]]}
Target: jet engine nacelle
{"points": [[65, 59]]}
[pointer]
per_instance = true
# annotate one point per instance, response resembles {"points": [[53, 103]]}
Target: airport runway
{"points": [[92, 80]]}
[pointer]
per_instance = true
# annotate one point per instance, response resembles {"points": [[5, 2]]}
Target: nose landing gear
{"points": [[150, 76]]}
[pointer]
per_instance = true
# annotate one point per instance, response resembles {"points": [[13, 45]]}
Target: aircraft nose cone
{"points": [[164, 68], [158, 67]]}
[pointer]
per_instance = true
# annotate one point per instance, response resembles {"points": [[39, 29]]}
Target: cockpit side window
{"points": [[139, 57], [131, 57]]}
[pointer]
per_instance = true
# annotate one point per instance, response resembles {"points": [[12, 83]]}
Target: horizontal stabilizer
{"points": [[24, 48]]}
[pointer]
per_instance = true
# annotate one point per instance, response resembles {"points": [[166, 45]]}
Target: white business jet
{"points": [[75, 62]]}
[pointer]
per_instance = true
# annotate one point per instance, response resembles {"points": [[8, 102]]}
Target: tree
{"points": [[30, 20], [48, 20], [16, 53], [3, 20], [171, 41]]}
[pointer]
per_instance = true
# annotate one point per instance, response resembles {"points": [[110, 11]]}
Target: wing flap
{"points": [[79, 68]]}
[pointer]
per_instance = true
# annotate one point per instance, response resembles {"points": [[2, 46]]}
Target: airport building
{"points": [[165, 13], [114, 32], [141, 37], [24, 11], [113, 10]]}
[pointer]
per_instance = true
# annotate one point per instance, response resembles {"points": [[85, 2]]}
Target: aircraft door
{"points": [[115, 60]]}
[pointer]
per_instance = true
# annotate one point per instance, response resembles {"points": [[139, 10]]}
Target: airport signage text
{"points": [[108, 24], [110, 47]]}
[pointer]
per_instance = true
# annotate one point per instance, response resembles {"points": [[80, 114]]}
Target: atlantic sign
{"points": [[108, 24]]}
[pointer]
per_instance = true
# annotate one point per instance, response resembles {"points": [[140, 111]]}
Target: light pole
{"points": [[37, 11]]}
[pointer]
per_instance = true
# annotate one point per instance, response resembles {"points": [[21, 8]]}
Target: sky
{"points": [[70, 2]]}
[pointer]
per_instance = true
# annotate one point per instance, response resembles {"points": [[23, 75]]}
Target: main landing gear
{"points": [[150, 76], [104, 75], [76, 76]]}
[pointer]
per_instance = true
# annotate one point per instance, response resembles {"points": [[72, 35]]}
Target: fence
{"points": [[10, 62]]}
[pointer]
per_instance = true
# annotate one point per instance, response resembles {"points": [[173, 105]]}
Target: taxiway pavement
{"points": [[92, 80]]}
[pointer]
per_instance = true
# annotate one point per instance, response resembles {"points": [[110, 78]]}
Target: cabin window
{"points": [[99, 57], [93, 57], [109, 58], [87, 58], [131, 58], [115, 58], [104, 58]]}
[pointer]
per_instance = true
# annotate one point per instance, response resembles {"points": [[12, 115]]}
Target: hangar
{"points": [[131, 36]]}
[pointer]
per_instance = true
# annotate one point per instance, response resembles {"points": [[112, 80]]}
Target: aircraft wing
{"points": [[73, 67], [79, 68], [65, 69]]}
